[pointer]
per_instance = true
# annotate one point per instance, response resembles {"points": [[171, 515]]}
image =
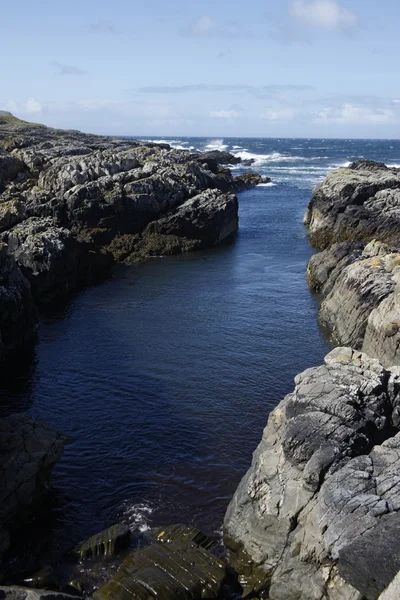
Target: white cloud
{"points": [[323, 13], [281, 114], [201, 26], [225, 114], [351, 114], [30, 107]]}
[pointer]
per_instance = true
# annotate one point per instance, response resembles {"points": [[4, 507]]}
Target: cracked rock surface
{"points": [[323, 486]]}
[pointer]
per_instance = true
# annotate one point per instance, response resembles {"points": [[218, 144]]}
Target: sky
{"points": [[255, 68]]}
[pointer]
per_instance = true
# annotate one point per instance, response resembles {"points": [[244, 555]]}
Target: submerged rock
{"points": [[324, 479], [106, 543]]}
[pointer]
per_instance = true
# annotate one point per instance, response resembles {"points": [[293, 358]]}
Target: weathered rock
{"points": [[360, 296], [106, 543], [14, 592], [28, 451], [18, 318], [174, 570], [45, 578], [209, 217], [324, 475], [358, 203], [10, 168]]}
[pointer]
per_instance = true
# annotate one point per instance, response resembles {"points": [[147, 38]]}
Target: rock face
{"points": [[360, 296], [28, 452], [359, 203], [18, 318], [358, 282], [311, 518]]}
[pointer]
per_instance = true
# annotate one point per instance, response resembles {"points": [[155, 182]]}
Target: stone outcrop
{"points": [[357, 203], [355, 216], [18, 318], [59, 189], [311, 518], [14, 592], [360, 296], [28, 452]]}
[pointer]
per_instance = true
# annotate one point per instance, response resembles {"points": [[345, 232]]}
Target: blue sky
{"points": [[294, 68]]}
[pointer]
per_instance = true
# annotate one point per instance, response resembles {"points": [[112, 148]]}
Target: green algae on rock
{"points": [[106, 543]]}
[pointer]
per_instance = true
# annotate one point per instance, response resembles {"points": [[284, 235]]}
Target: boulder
{"points": [[323, 480], [14, 592], [106, 543]]}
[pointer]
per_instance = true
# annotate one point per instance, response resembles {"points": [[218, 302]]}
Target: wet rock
{"points": [[356, 203], [175, 532], [175, 570], [18, 318], [106, 543], [324, 475], [43, 579], [28, 451]]}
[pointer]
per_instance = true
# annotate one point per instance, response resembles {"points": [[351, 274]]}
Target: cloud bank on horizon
{"points": [[298, 68]]}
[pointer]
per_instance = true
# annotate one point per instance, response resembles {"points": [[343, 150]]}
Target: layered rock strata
{"points": [[311, 519]]}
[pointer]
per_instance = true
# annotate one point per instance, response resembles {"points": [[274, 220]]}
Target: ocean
{"points": [[164, 374]]}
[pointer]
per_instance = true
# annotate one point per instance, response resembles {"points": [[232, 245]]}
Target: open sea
{"points": [[164, 374]]}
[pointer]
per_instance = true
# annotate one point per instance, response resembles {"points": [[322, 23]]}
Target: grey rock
{"points": [[360, 296], [14, 592], [323, 476], [358, 203], [209, 217]]}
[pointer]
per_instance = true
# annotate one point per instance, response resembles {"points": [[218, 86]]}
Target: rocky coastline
{"points": [[317, 513], [71, 206]]}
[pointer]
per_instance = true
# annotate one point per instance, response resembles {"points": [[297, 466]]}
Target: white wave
{"points": [[137, 516], [269, 184], [395, 165], [340, 165], [216, 145], [237, 147], [262, 159]]}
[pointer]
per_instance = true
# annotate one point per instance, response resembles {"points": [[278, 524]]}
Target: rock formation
{"points": [[355, 216], [28, 452], [71, 204], [315, 516]]}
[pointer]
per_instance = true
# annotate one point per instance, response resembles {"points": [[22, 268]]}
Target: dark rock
{"points": [[28, 452], [106, 543], [209, 217], [18, 318], [372, 561], [43, 579]]}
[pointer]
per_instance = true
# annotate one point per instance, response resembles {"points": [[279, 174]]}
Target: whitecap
{"points": [[269, 184], [217, 144], [136, 516]]}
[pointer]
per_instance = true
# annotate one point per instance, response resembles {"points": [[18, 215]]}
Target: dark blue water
{"points": [[165, 374]]}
